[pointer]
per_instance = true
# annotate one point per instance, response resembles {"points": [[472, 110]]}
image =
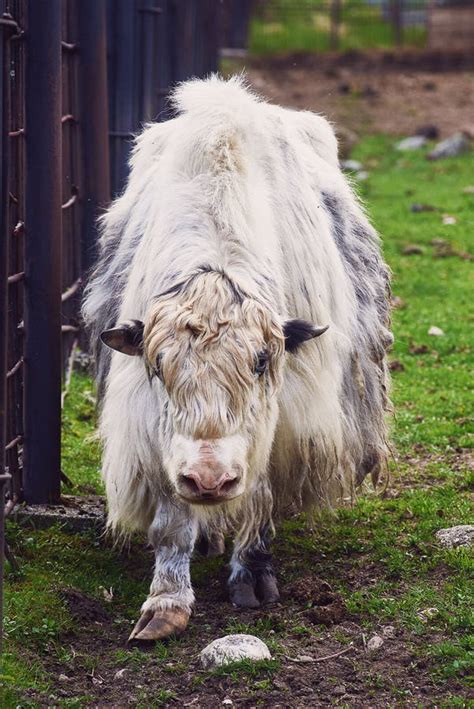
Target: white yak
{"points": [[239, 311]]}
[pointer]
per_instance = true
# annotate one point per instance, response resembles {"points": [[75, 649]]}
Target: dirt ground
{"points": [[374, 92], [357, 678]]}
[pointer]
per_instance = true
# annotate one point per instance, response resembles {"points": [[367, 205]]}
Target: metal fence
{"points": [[57, 167], [151, 45], [318, 25]]}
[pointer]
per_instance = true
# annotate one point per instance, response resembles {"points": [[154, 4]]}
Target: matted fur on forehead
{"points": [[207, 336]]}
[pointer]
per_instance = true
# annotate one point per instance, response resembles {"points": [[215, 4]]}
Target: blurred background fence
{"points": [[318, 25]]}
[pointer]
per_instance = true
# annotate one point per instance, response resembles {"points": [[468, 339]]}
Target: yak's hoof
{"points": [[262, 591], [159, 624], [267, 589], [243, 595]]}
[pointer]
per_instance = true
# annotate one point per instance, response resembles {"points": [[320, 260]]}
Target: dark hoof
{"points": [[267, 589], [243, 595]]}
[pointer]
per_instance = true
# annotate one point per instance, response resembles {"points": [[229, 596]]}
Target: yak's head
{"points": [[218, 355]]}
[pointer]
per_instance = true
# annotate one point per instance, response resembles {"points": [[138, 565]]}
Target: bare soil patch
{"points": [[375, 91], [310, 621]]}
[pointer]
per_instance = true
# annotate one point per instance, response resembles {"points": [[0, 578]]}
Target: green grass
{"points": [[80, 451], [393, 536], [433, 396], [284, 27]]}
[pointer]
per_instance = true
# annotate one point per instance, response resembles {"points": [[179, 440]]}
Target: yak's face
{"points": [[218, 355]]}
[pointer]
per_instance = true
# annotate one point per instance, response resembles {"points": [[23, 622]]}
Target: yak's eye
{"points": [[261, 364]]}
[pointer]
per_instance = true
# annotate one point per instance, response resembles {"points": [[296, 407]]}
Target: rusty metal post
{"points": [[335, 12], [94, 119], [397, 21], [7, 28], [4, 142], [42, 395]]}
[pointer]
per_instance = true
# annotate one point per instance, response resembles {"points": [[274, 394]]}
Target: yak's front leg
{"points": [[167, 609], [252, 580]]}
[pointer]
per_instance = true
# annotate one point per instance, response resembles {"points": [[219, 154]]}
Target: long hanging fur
{"points": [[238, 187]]}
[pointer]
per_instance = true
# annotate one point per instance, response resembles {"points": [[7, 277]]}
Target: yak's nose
{"points": [[203, 484]]}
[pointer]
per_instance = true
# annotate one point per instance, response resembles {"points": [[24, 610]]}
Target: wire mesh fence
{"points": [[319, 25]]}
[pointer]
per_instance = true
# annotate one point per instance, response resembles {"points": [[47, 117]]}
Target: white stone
{"points": [[388, 631], [460, 536], [435, 331], [427, 614], [448, 219], [351, 165], [232, 648], [362, 175], [375, 643], [450, 147], [413, 143]]}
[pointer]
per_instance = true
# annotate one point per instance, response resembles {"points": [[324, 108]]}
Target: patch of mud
{"points": [[84, 608], [325, 607]]}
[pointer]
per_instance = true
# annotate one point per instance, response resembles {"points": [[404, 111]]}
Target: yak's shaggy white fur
{"points": [[238, 196]]}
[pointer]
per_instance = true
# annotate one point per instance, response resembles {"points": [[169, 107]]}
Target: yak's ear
{"points": [[298, 331], [126, 337]]}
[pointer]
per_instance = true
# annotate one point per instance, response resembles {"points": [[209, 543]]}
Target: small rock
{"points": [[362, 175], [422, 208], [427, 613], [232, 648], [469, 189], [304, 658], [64, 678], [435, 331], [339, 690], [398, 303], [412, 249], [375, 643], [460, 536], [448, 219], [428, 131], [450, 148], [227, 702], [418, 349], [388, 631], [344, 88], [351, 165], [413, 143], [120, 674], [444, 250], [429, 86], [369, 92]]}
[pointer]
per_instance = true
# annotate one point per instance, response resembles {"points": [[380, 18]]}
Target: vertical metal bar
{"points": [[42, 395], [335, 23], [4, 128], [94, 119], [123, 18], [397, 21]]}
